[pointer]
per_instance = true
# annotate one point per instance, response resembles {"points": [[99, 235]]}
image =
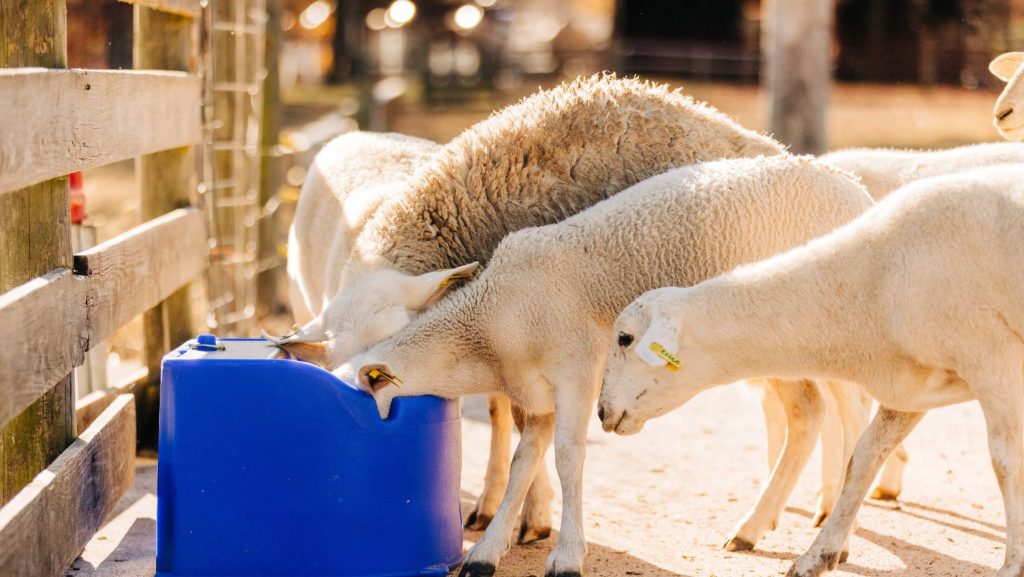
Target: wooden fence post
{"points": [[166, 181], [35, 238], [797, 56], [270, 167]]}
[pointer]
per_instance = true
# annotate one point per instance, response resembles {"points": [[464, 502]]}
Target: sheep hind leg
{"points": [[999, 386], [885, 433], [536, 517], [496, 477], [852, 408], [803, 406], [483, 557]]}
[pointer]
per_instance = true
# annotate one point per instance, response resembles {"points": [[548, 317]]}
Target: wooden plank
{"points": [[48, 323], [189, 8], [167, 181], [43, 324], [133, 272], [60, 121], [89, 407], [34, 239], [45, 526]]}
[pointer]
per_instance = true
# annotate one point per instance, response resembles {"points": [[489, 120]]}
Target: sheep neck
{"points": [[811, 322]]}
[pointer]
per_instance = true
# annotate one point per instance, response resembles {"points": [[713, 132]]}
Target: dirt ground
{"points": [[661, 503]]}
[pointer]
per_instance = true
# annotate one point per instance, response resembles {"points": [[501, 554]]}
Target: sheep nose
{"points": [[600, 413], [1004, 113]]}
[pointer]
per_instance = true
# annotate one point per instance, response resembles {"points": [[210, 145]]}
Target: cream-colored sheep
{"points": [[919, 301], [883, 170], [349, 178], [547, 157], [534, 325], [1008, 117]]}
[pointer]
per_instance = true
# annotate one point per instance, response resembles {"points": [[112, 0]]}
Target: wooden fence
{"points": [[58, 486]]}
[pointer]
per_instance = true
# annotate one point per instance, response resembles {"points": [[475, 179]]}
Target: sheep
{"points": [[534, 324], [551, 155], [349, 178], [1006, 117], [883, 170], [918, 301]]}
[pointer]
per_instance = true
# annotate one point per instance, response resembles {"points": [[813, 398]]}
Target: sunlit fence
{"points": [[62, 477]]}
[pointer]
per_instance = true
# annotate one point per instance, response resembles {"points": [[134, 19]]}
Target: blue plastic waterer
{"points": [[270, 466]]}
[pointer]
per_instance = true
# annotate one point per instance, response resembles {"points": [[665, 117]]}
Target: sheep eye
{"points": [[625, 340]]}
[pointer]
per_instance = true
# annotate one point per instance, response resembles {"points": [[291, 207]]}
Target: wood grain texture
{"points": [[48, 323], [167, 181], [43, 326], [133, 272], [34, 239], [188, 8], [45, 526], [59, 121]]}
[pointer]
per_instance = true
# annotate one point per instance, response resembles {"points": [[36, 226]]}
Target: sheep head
{"points": [[1008, 113], [651, 367], [368, 310]]}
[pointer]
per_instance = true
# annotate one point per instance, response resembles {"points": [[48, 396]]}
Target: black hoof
{"points": [[564, 574], [477, 569], [738, 544], [529, 535], [476, 522]]}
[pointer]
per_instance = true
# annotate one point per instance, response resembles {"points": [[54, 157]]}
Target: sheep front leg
{"points": [[803, 406], [483, 557], [536, 524], [571, 417], [886, 431], [496, 477]]}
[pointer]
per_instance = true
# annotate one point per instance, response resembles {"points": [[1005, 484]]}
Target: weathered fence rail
{"points": [[57, 305]]}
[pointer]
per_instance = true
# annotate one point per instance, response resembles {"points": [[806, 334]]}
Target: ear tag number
{"points": [[674, 362], [376, 375]]}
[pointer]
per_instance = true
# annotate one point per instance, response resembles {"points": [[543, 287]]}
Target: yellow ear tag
{"points": [[455, 278], [674, 362], [375, 374]]}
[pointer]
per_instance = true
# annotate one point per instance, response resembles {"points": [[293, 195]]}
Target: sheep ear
{"points": [[423, 291], [1005, 65], [659, 345], [308, 343]]}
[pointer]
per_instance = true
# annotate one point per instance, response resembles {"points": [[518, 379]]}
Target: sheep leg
{"points": [[571, 416], [483, 557], [803, 407], [853, 411], [886, 431], [496, 477], [890, 482], [536, 523], [774, 420], [1000, 390], [833, 459]]}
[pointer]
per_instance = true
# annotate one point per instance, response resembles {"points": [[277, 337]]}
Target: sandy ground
{"points": [[661, 503]]}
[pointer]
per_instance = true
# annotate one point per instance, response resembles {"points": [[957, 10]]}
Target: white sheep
{"points": [[535, 324], [348, 179], [1008, 118], [883, 170], [549, 156], [919, 301]]}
